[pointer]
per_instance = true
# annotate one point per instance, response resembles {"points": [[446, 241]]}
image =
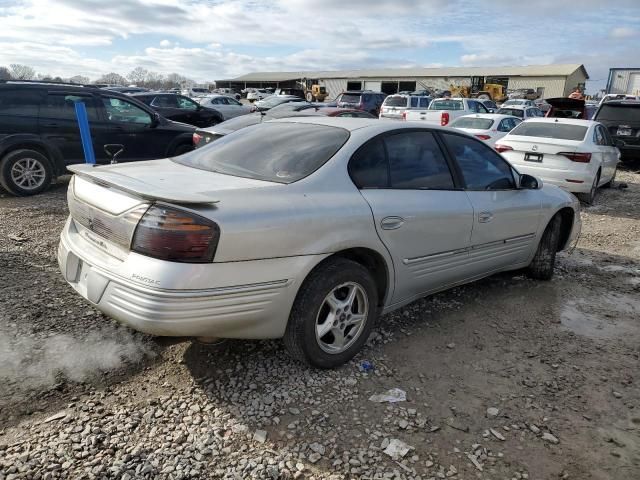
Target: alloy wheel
{"points": [[28, 173], [342, 317]]}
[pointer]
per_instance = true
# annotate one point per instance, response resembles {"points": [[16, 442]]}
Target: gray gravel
{"points": [[505, 379]]}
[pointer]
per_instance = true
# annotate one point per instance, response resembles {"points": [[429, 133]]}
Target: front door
{"points": [[421, 216], [505, 218], [133, 128]]}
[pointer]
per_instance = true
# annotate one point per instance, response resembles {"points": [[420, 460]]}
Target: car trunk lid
{"points": [[540, 151]]}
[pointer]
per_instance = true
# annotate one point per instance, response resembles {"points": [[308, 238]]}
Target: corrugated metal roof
{"points": [[522, 71]]}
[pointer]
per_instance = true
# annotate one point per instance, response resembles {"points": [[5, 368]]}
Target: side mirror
{"points": [[529, 182], [155, 120]]}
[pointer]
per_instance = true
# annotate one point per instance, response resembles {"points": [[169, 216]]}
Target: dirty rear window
{"points": [[446, 105], [274, 152], [549, 130], [619, 113], [477, 123], [395, 102]]}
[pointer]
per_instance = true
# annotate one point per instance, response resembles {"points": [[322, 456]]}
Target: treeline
{"points": [[139, 77]]}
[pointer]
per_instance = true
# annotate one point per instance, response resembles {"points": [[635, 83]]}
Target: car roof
{"points": [[351, 123], [563, 121]]}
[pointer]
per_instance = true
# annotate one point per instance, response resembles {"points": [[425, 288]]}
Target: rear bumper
{"points": [[242, 303]]}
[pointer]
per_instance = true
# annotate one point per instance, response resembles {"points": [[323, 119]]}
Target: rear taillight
{"points": [[444, 118], [196, 139], [483, 137], [577, 157], [172, 234], [502, 148]]}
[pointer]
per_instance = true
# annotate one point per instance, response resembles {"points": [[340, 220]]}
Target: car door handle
{"points": [[391, 223], [485, 217]]}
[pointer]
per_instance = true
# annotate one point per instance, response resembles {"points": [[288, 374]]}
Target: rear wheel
{"points": [[25, 172], [333, 314], [609, 184], [541, 267], [590, 197]]}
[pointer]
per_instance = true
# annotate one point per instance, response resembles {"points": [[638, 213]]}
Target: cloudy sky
{"points": [[216, 39]]}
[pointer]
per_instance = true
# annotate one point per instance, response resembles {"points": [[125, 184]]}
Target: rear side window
{"points": [[165, 101], [62, 106], [20, 102], [403, 161], [550, 130], [482, 168], [416, 162], [349, 98]]}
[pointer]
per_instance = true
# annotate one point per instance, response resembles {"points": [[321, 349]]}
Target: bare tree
{"points": [[22, 72], [112, 79], [5, 74], [79, 79], [138, 76]]}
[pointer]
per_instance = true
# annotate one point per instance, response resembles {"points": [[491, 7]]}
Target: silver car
{"points": [[227, 106], [305, 229]]}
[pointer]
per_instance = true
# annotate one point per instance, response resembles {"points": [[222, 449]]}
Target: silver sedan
{"points": [[305, 229]]}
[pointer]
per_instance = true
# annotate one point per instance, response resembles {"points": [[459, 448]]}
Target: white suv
{"points": [[396, 106]]}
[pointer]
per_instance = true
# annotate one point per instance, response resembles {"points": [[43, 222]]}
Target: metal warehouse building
{"points": [[624, 80], [549, 80]]}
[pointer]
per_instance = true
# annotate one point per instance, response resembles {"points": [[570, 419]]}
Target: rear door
{"points": [[58, 125], [420, 214], [505, 220], [19, 110], [607, 151]]}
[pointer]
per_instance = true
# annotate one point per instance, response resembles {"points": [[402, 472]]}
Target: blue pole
{"points": [[85, 133]]}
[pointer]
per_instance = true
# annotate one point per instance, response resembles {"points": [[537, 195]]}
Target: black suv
{"points": [[622, 119], [362, 100], [180, 109], [39, 134]]}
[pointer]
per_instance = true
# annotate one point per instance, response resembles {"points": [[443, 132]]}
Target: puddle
{"points": [[605, 316]]}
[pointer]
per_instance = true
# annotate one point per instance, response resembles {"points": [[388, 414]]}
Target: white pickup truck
{"points": [[443, 111]]}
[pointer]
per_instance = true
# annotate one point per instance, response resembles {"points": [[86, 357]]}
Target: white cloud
{"points": [[623, 32], [165, 44]]}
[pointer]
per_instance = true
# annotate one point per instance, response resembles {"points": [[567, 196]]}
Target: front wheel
{"points": [[541, 267], [333, 314]]}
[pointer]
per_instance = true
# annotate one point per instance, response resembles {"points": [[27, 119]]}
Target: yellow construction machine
{"points": [[479, 89]]}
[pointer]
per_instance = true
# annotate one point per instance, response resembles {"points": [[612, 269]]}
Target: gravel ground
{"points": [[506, 378]]}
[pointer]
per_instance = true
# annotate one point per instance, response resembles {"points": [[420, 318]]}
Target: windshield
{"points": [[618, 113], [476, 123], [349, 98], [549, 130], [395, 101], [446, 105], [273, 152], [516, 112]]}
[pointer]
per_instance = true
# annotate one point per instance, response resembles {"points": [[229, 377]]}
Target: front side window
{"points": [[481, 167], [121, 111], [273, 152], [187, 103], [416, 162], [62, 106]]}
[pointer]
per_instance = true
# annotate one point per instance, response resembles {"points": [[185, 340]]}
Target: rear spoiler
{"points": [[105, 177]]}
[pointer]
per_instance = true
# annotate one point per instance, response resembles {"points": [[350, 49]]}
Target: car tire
{"points": [[25, 160], [182, 149], [308, 337], [541, 267], [590, 197], [610, 183]]}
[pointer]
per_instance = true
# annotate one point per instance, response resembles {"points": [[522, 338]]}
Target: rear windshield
{"points": [[349, 98], [395, 102], [274, 152], [446, 105], [549, 130], [618, 113], [477, 123], [516, 112], [200, 90]]}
